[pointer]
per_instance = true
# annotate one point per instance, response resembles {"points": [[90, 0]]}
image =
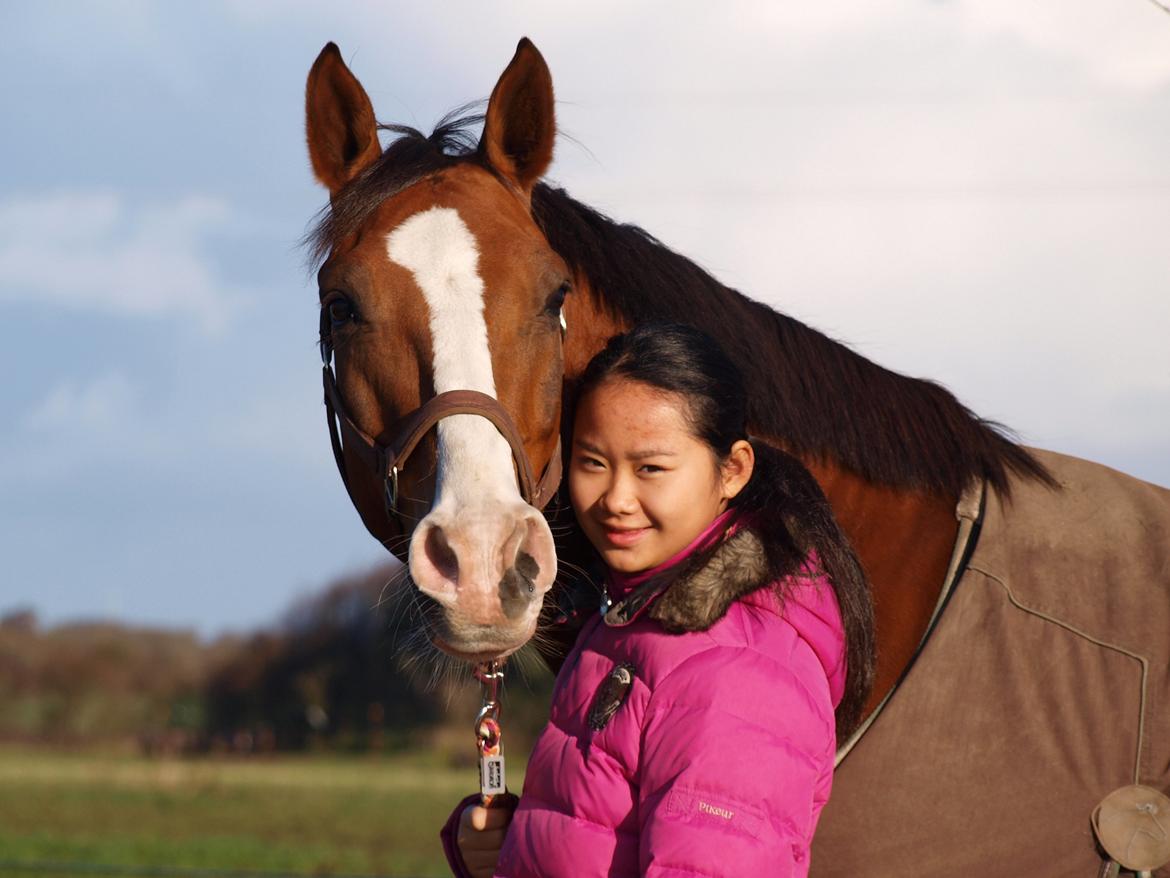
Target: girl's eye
{"points": [[651, 468]]}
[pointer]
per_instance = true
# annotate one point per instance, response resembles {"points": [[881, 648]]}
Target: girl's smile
{"points": [[642, 485], [625, 537]]}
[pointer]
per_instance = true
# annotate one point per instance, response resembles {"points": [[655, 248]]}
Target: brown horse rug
{"points": [[1044, 688]]}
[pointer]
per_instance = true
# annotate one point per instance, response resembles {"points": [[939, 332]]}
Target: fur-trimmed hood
{"points": [[697, 596], [728, 563]]}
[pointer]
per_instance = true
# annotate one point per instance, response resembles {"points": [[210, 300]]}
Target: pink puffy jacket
{"points": [[692, 728]]}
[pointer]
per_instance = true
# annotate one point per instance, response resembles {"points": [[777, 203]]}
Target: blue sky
{"points": [[972, 192]]}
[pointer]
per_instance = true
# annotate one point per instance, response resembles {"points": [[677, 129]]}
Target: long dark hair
{"points": [[792, 516]]}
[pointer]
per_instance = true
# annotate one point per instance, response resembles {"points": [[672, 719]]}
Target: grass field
{"points": [[310, 815]]}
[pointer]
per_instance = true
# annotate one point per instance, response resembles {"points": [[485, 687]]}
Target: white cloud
{"points": [[78, 425], [86, 409], [1125, 43], [91, 251], [693, 48], [112, 419]]}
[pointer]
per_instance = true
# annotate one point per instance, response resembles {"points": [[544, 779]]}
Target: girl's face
{"points": [[642, 485]]}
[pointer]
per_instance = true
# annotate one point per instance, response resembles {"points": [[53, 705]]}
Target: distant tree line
{"points": [[333, 673]]}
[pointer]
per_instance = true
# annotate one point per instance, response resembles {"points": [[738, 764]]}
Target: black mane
{"points": [[820, 399]]}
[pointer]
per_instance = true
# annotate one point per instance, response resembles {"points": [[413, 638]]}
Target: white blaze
{"points": [[475, 461]]}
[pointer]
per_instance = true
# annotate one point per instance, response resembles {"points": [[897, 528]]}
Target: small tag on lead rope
{"points": [[491, 775]]}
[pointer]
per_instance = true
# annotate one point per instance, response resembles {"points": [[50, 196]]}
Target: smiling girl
{"points": [[694, 723]]}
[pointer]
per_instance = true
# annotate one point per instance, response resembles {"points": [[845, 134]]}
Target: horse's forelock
{"points": [[408, 158]]}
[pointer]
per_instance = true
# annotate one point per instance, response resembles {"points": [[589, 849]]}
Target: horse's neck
{"points": [[904, 540]]}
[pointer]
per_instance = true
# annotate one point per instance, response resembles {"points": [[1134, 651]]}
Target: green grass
{"points": [[312, 815]]}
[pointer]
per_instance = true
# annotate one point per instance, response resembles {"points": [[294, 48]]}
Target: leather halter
{"points": [[387, 461]]}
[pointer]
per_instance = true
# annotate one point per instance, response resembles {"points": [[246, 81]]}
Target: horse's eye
{"points": [[340, 311], [557, 299]]}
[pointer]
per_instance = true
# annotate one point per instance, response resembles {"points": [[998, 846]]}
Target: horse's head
{"points": [[437, 280]]}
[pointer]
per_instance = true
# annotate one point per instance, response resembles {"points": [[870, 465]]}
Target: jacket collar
{"points": [[692, 590], [701, 592]]}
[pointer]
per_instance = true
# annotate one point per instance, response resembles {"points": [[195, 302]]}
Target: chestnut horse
{"points": [[460, 299]]}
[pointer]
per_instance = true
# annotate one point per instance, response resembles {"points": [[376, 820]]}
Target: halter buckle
{"points": [[392, 490]]}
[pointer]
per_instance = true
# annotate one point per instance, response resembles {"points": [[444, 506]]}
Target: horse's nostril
{"points": [[527, 567], [441, 555], [517, 585]]}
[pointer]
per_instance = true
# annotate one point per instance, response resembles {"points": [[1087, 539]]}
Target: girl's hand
{"points": [[481, 835]]}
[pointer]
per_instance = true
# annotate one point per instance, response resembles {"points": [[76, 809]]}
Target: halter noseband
{"points": [[387, 461]]}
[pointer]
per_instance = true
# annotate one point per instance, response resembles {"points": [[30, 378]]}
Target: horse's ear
{"points": [[339, 121], [520, 126]]}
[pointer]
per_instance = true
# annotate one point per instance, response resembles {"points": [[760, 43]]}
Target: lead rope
{"points": [[488, 734]]}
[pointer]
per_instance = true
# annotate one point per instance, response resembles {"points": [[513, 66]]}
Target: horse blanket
{"points": [[1044, 687]]}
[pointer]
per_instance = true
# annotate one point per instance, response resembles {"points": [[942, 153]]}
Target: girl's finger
{"points": [[490, 818], [480, 818]]}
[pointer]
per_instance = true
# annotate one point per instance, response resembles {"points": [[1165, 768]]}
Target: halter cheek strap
{"points": [[387, 461]]}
